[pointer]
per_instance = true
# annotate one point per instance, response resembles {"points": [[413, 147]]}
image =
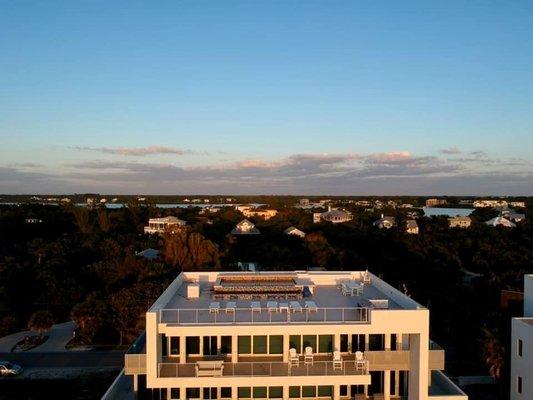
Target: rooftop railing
{"points": [[245, 316], [318, 368]]}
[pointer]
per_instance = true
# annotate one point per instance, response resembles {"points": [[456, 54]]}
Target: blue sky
{"points": [[316, 97]]}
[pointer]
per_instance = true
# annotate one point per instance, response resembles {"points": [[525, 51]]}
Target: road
{"points": [[74, 359]]}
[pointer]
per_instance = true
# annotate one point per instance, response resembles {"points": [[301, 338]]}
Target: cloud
{"points": [[138, 151], [451, 150]]}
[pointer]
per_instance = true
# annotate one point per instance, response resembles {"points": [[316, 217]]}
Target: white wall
{"points": [[522, 366], [528, 295]]}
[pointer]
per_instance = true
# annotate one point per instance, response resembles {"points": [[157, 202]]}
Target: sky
{"points": [[267, 97]]}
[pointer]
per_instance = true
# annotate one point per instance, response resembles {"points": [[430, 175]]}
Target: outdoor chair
{"points": [[311, 306], [294, 358], [214, 307], [230, 306], [337, 360], [308, 356]]}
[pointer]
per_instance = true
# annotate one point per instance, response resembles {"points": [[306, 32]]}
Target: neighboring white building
{"points": [[288, 335], [385, 222], [411, 227], [260, 212], [436, 202], [459, 222], [500, 221], [522, 348], [333, 216], [160, 225], [245, 227], [294, 232], [518, 204], [490, 203]]}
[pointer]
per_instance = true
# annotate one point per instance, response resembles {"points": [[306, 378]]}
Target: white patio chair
{"points": [[284, 307], [231, 306], [294, 358], [360, 362], [255, 306], [214, 307], [344, 290], [272, 306], [311, 306], [295, 306], [337, 360], [308, 356]]}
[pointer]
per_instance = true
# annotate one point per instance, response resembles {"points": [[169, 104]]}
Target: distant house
{"points": [[304, 202], [500, 221], [515, 217], [490, 203], [459, 222], [245, 227], [148, 254], [293, 231], [160, 225], [518, 204], [333, 216], [435, 202], [411, 227], [385, 222], [261, 213]]}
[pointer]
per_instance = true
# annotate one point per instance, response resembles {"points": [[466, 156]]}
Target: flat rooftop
{"points": [[195, 297]]}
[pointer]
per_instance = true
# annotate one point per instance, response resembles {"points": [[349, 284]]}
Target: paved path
{"points": [[58, 337], [74, 359]]}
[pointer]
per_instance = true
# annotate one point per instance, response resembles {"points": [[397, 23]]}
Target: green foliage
{"points": [[40, 321]]}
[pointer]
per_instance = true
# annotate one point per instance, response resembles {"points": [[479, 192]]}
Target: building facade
{"points": [[289, 335], [160, 225], [522, 348], [459, 222]]}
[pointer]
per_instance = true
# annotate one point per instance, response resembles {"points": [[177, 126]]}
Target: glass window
{"points": [[520, 347], [343, 391], [344, 343], [174, 394], [295, 342], [225, 344], [260, 392], [245, 344], [275, 344], [309, 340], [519, 384], [225, 392], [294, 392], [308, 391], [275, 392], [192, 344], [376, 342], [260, 345], [174, 345], [324, 391], [393, 340], [164, 345], [358, 343], [244, 393], [193, 393], [325, 343]]}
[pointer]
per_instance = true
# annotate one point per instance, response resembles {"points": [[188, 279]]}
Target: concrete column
{"points": [[386, 385], [183, 351], [135, 384], [396, 383], [336, 392], [285, 392], [367, 341], [285, 348], [183, 393], [234, 348], [337, 342], [419, 359], [201, 345], [387, 342]]}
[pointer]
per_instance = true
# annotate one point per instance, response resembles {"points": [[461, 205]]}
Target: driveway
{"points": [[58, 337]]}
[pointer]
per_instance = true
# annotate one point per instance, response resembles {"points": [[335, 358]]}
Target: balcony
{"points": [[247, 316], [134, 364]]}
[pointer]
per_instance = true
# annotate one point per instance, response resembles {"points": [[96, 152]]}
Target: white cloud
{"points": [[138, 151]]}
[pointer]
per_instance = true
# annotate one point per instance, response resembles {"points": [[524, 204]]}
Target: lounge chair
{"points": [[255, 306], [311, 306], [308, 356], [337, 360], [284, 307], [272, 306], [360, 362], [294, 359], [231, 306], [344, 289], [295, 306], [214, 307]]}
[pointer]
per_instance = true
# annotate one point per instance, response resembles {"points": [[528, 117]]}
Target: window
{"points": [[275, 392], [325, 343], [210, 393], [295, 342], [192, 345], [324, 391], [244, 393], [275, 344], [344, 343], [245, 344], [376, 342], [343, 390], [225, 393], [164, 345], [358, 343], [294, 392], [225, 344], [174, 394], [309, 340], [210, 346], [260, 345], [308, 391], [519, 385], [519, 347], [393, 340], [260, 392], [193, 393], [174, 345]]}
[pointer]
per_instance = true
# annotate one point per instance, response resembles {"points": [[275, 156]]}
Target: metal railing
{"points": [[205, 316], [134, 364], [317, 368]]}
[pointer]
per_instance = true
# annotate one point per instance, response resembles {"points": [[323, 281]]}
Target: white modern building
{"points": [[293, 231], [385, 222], [333, 216], [160, 225], [288, 335], [522, 348], [245, 227]]}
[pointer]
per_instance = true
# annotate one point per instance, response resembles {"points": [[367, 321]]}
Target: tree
{"points": [[90, 316], [104, 223], [83, 219], [190, 250], [41, 321], [494, 353]]}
